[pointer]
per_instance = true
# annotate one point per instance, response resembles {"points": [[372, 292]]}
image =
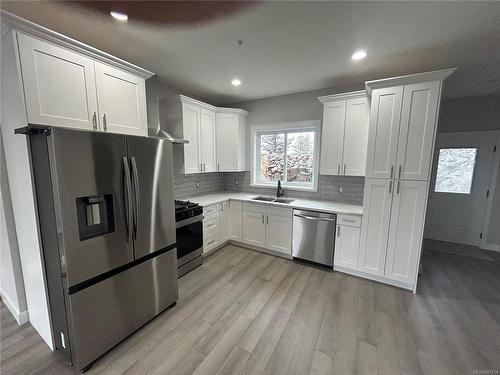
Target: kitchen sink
{"points": [[264, 199], [272, 199]]}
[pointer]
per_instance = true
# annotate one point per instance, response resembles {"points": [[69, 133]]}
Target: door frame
{"points": [[495, 164]]}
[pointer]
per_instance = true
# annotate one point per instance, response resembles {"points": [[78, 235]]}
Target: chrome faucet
{"points": [[280, 192]]}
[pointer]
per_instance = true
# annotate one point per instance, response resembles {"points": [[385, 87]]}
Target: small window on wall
{"points": [[455, 170]]}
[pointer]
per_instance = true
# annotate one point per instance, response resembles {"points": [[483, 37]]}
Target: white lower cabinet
{"points": [[235, 220], [406, 230], [217, 226], [347, 247], [224, 222], [268, 227]]}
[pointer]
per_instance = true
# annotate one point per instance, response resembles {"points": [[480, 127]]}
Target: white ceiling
{"points": [[289, 46]]}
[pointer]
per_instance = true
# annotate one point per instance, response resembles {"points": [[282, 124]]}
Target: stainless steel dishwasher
{"points": [[314, 236]]}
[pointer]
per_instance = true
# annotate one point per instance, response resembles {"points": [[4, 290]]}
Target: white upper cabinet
{"points": [[191, 132], [344, 134], [231, 142], [332, 137], [417, 130], [59, 85], [406, 230], [377, 202], [122, 101], [208, 150], [385, 117], [65, 87]]}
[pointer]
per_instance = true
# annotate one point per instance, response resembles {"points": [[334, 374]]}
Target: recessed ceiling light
{"points": [[358, 55], [119, 16], [236, 82]]}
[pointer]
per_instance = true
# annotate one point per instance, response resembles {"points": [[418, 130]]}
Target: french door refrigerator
{"points": [[106, 215]]}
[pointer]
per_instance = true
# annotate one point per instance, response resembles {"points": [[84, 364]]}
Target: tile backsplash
{"points": [[328, 186]]}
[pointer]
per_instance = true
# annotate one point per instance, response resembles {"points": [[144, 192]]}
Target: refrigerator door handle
{"points": [[135, 179], [128, 198]]}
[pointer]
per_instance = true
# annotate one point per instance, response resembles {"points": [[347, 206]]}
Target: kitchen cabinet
{"points": [[122, 101], [347, 247], [377, 202], [191, 126], [344, 134], [59, 85], [63, 87], [224, 216], [231, 140], [208, 155], [268, 227], [236, 220], [406, 230]]}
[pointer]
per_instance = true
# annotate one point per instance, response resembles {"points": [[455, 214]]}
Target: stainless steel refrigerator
{"points": [[106, 216]]}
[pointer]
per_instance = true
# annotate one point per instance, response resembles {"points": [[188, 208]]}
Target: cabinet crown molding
{"points": [[187, 100], [435, 75], [22, 25], [342, 96], [236, 111]]}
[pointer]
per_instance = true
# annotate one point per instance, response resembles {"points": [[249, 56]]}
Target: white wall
{"points": [[11, 277], [13, 115]]}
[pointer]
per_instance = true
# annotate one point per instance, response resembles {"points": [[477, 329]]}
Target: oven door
{"points": [[189, 239]]}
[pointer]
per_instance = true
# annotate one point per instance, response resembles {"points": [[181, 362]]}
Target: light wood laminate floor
{"points": [[245, 312]]}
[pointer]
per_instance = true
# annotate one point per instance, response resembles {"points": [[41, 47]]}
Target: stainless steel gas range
{"points": [[189, 231]]}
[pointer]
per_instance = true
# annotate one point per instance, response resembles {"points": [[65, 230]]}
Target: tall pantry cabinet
{"points": [[402, 130]]}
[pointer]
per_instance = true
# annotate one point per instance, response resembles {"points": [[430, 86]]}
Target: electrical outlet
{"points": [[236, 182], [197, 184], [341, 189]]}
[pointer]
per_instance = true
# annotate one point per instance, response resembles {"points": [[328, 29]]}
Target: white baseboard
{"points": [[22, 317]]}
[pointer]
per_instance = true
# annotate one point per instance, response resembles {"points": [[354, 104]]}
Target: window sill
{"points": [[285, 187]]}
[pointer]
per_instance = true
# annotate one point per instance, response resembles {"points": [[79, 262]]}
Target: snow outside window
{"points": [[286, 155], [455, 170]]}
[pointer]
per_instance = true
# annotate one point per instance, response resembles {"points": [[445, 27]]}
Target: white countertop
{"points": [[306, 204]]}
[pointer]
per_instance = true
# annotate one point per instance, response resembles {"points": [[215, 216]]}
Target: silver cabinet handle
{"points": [[204, 167], [267, 219], [135, 180], [338, 230], [397, 190], [390, 186], [392, 171], [222, 207], [399, 172], [127, 198], [344, 168], [218, 167], [94, 120], [349, 220], [104, 123], [201, 167], [211, 242], [313, 218], [338, 169], [262, 218]]}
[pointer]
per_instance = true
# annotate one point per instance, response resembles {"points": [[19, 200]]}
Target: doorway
{"points": [[459, 189]]}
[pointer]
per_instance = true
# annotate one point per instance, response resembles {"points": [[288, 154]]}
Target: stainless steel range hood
{"points": [[153, 112]]}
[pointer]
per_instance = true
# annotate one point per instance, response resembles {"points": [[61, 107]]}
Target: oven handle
{"points": [[189, 221]]}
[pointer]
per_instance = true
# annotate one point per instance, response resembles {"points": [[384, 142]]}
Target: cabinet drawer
{"points": [[247, 206], [210, 210], [210, 241], [349, 220], [210, 224]]}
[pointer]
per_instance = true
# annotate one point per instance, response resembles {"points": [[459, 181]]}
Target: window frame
{"points": [[288, 127], [438, 154]]}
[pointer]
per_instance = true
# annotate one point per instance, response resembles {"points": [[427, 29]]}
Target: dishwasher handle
{"points": [[313, 218]]}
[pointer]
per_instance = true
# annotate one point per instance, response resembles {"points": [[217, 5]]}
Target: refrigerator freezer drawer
{"points": [[107, 312]]}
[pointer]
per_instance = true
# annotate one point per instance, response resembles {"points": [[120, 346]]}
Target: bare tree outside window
{"points": [[455, 170]]}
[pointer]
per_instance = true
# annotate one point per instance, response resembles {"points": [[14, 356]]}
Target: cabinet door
{"points": [[191, 127], [227, 142], [356, 137], [417, 130], [59, 85], [375, 225], [347, 247], [406, 230], [332, 137], [254, 229], [235, 220], [207, 141], [279, 233], [385, 115], [122, 101], [224, 222]]}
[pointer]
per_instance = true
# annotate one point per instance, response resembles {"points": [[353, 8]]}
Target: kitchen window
{"points": [[455, 170], [288, 154]]}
